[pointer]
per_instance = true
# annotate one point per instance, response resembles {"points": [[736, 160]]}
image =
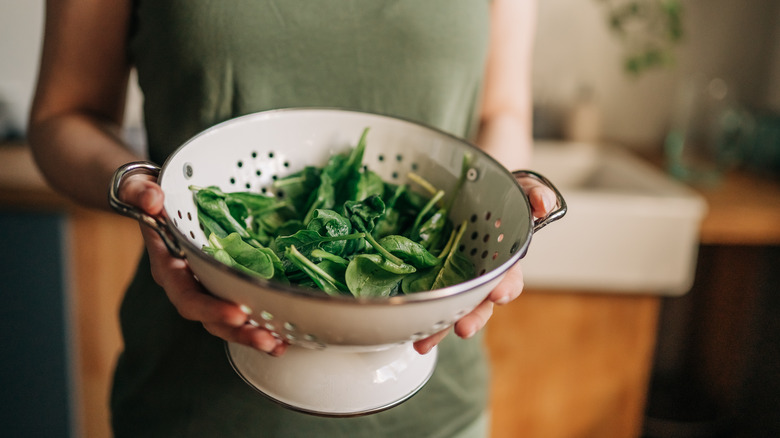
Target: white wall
{"points": [[736, 39], [733, 39], [21, 24]]}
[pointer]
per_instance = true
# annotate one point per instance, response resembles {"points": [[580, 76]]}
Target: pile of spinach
{"points": [[339, 228]]}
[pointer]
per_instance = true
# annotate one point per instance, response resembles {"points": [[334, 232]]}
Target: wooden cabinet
{"points": [[571, 365]]}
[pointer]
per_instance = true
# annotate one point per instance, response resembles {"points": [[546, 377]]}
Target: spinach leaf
{"points": [[319, 276], [431, 231], [338, 179], [387, 265], [369, 183], [420, 281], [210, 226], [255, 204], [371, 275], [363, 215], [425, 212], [298, 187], [275, 224], [409, 251], [325, 196], [212, 202], [306, 241], [456, 268], [259, 261], [335, 270], [317, 253], [331, 224], [390, 222], [348, 177]]}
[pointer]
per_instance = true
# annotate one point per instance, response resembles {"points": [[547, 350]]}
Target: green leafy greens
{"points": [[340, 229]]}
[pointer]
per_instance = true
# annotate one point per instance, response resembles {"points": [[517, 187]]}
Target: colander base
{"points": [[335, 383]]}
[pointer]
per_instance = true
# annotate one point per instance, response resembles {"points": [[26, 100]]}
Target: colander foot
{"points": [[334, 382]]}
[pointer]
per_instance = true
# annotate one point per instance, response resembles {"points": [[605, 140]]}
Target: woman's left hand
{"points": [[542, 201]]}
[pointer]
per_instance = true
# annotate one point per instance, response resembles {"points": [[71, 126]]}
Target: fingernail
{"points": [[423, 350], [266, 345], [503, 300], [246, 309], [151, 197], [236, 320], [278, 350], [549, 202], [469, 333]]}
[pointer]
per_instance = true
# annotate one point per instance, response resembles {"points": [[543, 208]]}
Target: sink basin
{"points": [[629, 228]]}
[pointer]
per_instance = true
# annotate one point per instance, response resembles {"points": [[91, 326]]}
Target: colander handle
{"points": [[560, 209], [123, 208]]}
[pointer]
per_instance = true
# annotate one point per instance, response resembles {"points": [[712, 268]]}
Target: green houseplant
{"points": [[648, 29]]}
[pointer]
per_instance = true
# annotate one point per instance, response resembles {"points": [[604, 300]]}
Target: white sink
{"points": [[629, 227]]}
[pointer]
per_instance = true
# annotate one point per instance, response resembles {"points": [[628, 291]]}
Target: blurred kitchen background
{"points": [[649, 312]]}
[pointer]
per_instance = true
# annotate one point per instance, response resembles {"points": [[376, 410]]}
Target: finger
{"points": [[467, 326], [142, 193], [187, 295], [249, 335], [423, 346], [541, 197], [195, 304], [510, 287]]}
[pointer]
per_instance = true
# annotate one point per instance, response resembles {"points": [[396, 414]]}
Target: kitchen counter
{"points": [[564, 364], [21, 184], [744, 210]]}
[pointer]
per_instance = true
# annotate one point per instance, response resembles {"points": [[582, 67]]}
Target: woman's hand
{"points": [[542, 201], [225, 320]]}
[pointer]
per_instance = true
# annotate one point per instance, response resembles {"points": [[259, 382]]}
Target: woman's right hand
{"points": [[223, 319]]}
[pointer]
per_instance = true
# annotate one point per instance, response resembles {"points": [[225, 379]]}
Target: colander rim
{"points": [[308, 293]]}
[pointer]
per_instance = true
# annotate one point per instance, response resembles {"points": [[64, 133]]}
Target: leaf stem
{"points": [[300, 258], [381, 250], [344, 237], [325, 255], [425, 210], [422, 182], [455, 243]]}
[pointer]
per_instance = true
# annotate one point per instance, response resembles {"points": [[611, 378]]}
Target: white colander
{"points": [[347, 356]]}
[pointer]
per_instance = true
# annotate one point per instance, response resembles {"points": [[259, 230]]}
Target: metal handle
{"points": [[123, 208], [552, 216]]}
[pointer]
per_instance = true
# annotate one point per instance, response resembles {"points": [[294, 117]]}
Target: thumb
{"points": [[143, 193]]}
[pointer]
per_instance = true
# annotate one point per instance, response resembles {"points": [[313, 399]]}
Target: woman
{"points": [[462, 66]]}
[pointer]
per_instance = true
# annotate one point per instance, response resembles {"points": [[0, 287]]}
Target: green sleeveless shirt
{"points": [[201, 62]]}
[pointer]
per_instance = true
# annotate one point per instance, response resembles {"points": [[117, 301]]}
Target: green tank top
{"points": [[201, 62]]}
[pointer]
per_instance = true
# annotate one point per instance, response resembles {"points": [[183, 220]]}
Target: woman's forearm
{"points": [[77, 155], [506, 119], [507, 138], [73, 128]]}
